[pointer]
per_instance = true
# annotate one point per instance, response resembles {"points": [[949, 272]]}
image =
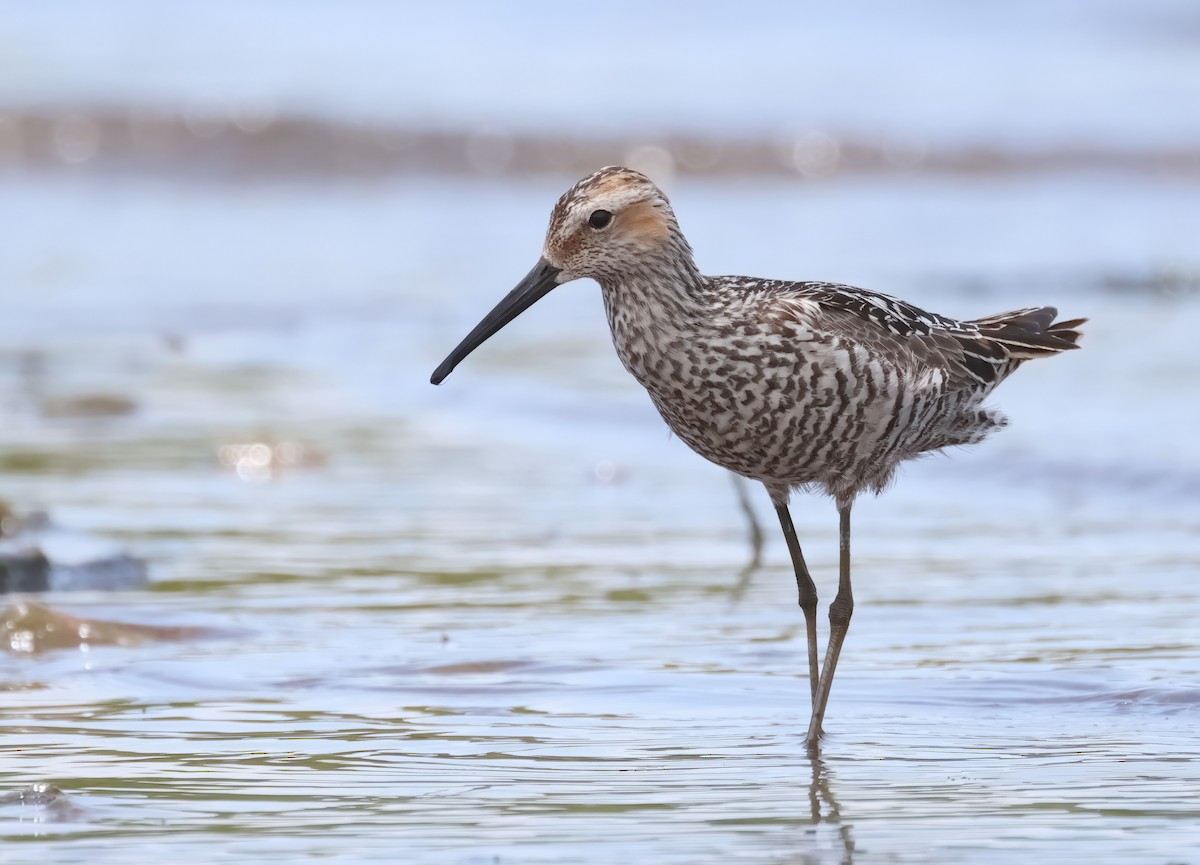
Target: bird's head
{"points": [[606, 224], [610, 222]]}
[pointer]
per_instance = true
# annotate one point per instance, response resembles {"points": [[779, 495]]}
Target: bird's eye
{"points": [[599, 219]]}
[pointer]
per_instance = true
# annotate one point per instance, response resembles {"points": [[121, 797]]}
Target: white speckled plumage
{"points": [[795, 384]]}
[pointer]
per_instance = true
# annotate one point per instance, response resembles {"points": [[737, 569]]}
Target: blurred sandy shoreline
{"points": [[255, 142]]}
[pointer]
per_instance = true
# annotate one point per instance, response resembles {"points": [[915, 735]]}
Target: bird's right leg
{"points": [[840, 612], [805, 586]]}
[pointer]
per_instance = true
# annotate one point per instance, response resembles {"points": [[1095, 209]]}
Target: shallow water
{"points": [[508, 619], [501, 619]]}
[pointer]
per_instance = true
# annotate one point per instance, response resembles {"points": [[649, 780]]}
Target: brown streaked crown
{"points": [[642, 224]]}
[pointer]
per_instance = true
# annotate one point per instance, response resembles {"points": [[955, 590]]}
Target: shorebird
{"points": [[799, 385]]}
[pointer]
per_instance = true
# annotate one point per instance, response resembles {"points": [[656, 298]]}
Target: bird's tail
{"points": [[1030, 333]]}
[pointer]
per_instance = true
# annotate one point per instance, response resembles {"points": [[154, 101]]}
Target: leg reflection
{"points": [[825, 809], [754, 535]]}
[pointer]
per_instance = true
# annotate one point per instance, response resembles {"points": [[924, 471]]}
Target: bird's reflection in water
{"points": [[754, 536], [824, 837], [824, 807]]}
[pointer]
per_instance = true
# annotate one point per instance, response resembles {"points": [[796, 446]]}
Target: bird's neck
{"points": [[653, 310], [662, 288]]}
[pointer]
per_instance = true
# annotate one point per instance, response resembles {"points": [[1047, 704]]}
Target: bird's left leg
{"points": [[840, 612], [805, 587]]}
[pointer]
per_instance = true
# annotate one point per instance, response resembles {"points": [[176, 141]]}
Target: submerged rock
{"points": [[44, 802], [92, 405], [29, 629], [38, 556], [24, 571]]}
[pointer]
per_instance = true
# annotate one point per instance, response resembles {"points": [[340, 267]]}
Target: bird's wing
{"points": [[891, 330]]}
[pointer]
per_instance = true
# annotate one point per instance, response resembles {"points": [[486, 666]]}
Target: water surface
{"points": [[507, 619]]}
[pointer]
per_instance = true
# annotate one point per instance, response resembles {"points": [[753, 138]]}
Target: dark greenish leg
{"points": [[840, 612], [804, 584]]}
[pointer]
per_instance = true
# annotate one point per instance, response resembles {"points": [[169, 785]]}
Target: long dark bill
{"points": [[536, 285]]}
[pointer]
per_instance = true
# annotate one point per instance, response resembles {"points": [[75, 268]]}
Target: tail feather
{"points": [[1030, 333], [1068, 330]]}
